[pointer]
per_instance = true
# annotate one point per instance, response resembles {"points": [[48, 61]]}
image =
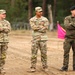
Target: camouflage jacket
{"points": [[69, 23], [4, 30], [39, 27]]}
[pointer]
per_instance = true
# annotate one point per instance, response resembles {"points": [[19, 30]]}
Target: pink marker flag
{"points": [[61, 32]]}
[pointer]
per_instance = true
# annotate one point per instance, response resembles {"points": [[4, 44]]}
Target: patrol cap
{"points": [[72, 8], [2, 11], [38, 9]]}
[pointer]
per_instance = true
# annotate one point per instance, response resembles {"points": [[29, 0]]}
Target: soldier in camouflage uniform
{"points": [[4, 30], [69, 23], [39, 25]]}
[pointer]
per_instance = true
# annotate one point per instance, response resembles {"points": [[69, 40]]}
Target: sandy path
{"points": [[19, 53]]}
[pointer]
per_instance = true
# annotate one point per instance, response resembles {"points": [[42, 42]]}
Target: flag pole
{"points": [[61, 33], [58, 39]]}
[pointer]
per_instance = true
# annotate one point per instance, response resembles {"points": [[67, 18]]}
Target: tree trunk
{"points": [[74, 1], [54, 11], [51, 27], [12, 3], [29, 9], [44, 7]]}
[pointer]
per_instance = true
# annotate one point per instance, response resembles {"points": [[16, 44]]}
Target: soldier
{"points": [[4, 30], [69, 23], [39, 25]]}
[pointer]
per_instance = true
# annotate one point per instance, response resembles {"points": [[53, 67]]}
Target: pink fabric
{"points": [[61, 32]]}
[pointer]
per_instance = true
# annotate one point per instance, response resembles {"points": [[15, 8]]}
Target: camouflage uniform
{"points": [[4, 30], [39, 27], [69, 23]]}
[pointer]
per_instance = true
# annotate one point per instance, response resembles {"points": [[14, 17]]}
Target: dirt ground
{"points": [[19, 53]]}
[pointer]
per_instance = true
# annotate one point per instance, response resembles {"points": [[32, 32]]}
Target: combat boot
{"points": [[64, 69], [2, 70], [45, 69], [32, 70], [73, 68]]}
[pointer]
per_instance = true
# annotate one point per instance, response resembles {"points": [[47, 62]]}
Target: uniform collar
{"points": [[38, 18]]}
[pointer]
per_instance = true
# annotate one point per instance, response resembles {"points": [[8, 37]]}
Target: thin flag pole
{"points": [[61, 33]]}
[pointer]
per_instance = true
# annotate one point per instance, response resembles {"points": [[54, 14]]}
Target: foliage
{"points": [[19, 11]]}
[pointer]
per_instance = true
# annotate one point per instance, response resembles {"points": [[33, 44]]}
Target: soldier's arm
{"points": [[46, 24], [7, 28], [68, 24], [33, 26], [1, 28], [44, 27]]}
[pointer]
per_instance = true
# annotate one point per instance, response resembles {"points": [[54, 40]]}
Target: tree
{"points": [[54, 11], [29, 9], [50, 18], [12, 3], [22, 9], [44, 6]]}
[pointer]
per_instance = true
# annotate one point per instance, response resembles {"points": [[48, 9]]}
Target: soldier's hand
{"points": [[43, 29], [1, 29], [5, 29]]}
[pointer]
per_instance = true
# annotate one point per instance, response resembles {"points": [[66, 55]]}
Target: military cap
{"points": [[72, 8], [38, 9], [2, 11]]}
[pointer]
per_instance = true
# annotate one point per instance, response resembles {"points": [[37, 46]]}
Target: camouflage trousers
{"points": [[43, 49], [67, 45], [3, 48]]}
